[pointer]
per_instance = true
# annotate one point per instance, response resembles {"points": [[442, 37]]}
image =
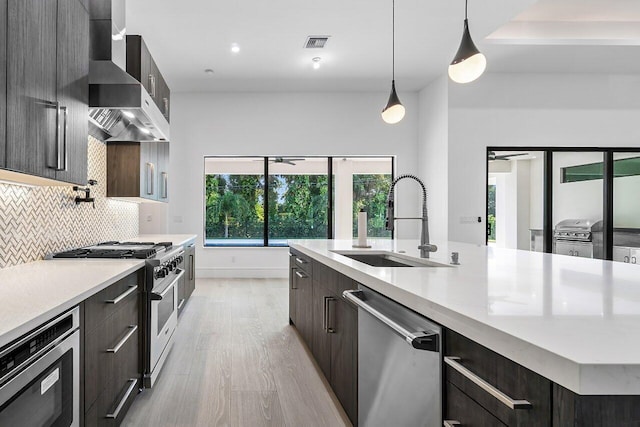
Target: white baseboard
{"points": [[244, 273]]}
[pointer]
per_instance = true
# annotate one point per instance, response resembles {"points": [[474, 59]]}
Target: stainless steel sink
{"points": [[389, 259]]}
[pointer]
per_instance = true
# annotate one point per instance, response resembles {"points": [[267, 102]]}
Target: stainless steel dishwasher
{"points": [[399, 363]]}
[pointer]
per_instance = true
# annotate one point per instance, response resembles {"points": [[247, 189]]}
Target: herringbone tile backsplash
{"points": [[37, 221]]}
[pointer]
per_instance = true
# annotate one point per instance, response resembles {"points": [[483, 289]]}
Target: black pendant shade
{"points": [[467, 47], [394, 110]]}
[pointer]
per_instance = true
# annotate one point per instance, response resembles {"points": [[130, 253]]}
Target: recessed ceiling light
{"points": [[316, 62], [235, 48], [128, 114], [209, 72]]}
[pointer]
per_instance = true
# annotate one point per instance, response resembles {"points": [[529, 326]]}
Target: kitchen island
{"points": [[573, 321]]}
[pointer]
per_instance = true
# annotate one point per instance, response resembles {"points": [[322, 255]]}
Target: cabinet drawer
{"points": [[106, 302], [461, 409], [502, 376], [101, 359], [302, 262], [108, 404]]}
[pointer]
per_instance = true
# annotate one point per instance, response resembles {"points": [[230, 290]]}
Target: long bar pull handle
{"points": [[419, 340], [295, 286], [116, 412], [301, 275], [325, 314], [150, 178], [62, 154], [301, 261], [181, 304], [123, 295], [132, 330], [499, 395], [166, 107], [626, 259], [152, 85], [165, 185], [450, 423], [328, 301], [193, 267]]}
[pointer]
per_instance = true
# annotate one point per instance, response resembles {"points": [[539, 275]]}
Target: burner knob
{"points": [[169, 267], [165, 271], [160, 273]]}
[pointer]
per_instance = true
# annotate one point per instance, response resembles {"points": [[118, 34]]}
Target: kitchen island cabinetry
{"points": [[47, 67], [512, 355], [327, 324], [112, 334]]}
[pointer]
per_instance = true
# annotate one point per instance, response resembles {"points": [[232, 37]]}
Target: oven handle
{"points": [[158, 296]]}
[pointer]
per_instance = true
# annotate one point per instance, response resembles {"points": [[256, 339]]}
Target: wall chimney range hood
{"points": [[120, 108]]}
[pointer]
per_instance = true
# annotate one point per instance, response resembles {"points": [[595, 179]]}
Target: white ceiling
{"points": [[189, 36]]}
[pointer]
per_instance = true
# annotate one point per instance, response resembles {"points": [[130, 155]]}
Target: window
{"points": [[298, 200], [624, 167]]}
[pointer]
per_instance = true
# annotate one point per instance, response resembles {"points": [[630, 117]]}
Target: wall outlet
{"points": [[149, 218]]}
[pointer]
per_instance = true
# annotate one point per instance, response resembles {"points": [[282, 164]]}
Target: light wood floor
{"points": [[237, 362]]}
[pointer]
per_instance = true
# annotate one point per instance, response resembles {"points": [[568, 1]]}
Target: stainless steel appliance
{"points": [[399, 363], [164, 271], [161, 310], [120, 106], [40, 375], [579, 237]]}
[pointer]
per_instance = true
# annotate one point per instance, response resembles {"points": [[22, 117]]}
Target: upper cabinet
{"points": [[138, 171], [3, 80], [142, 67], [47, 67]]}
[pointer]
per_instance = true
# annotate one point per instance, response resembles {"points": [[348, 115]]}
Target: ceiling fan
{"points": [[492, 156], [283, 160]]}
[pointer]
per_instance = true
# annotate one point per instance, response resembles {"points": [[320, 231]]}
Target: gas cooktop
{"points": [[112, 249]]}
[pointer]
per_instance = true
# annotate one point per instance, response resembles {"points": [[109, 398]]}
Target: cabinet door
{"points": [[32, 111], [3, 81], [163, 171], [149, 170], [465, 411], [304, 300], [73, 88], [190, 259], [343, 321], [292, 291], [320, 335]]}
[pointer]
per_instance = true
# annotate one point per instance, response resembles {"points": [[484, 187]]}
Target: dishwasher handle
{"points": [[420, 340]]}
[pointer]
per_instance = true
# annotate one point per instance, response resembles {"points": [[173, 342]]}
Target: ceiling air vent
{"points": [[316, 42]]}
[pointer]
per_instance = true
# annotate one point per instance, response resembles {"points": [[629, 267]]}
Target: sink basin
{"points": [[389, 259]]}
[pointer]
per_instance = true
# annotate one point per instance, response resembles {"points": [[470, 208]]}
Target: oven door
{"points": [[47, 392], [164, 319]]}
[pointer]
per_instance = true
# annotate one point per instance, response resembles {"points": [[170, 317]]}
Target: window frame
{"points": [[329, 159]]}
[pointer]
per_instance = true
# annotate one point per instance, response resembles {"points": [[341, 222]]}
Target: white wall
{"points": [[433, 155], [529, 110], [277, 124]]}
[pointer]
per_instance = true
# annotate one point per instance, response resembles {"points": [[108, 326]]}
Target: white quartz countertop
{"points": [[176, 239], [35, 292], [576, 321]]}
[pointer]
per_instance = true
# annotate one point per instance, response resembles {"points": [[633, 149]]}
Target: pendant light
{"points": [[394, 111], [469, 63]]}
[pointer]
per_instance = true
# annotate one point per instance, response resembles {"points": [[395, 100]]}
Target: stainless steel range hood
{"points": [[120, 109]]}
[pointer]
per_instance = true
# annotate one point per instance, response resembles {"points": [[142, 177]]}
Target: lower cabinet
{"points": [[112, 357], [328, 325]]}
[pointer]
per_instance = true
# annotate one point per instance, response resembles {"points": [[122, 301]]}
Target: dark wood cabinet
{"points": [[47, 53], [112, 356], [138, 170], [461, 410], [73, 87], [327, 324], [141, 65], [512, 379], [190, 267], [3, 83]]}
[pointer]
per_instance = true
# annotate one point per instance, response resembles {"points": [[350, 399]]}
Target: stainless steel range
{"points": [[579, 237], [164, 270]]}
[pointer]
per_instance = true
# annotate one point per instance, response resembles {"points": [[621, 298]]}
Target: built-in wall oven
{"points": [[40, 375]]}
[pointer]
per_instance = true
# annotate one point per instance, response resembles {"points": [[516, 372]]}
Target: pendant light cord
{"points": [[393, 39], [465, 9]]}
